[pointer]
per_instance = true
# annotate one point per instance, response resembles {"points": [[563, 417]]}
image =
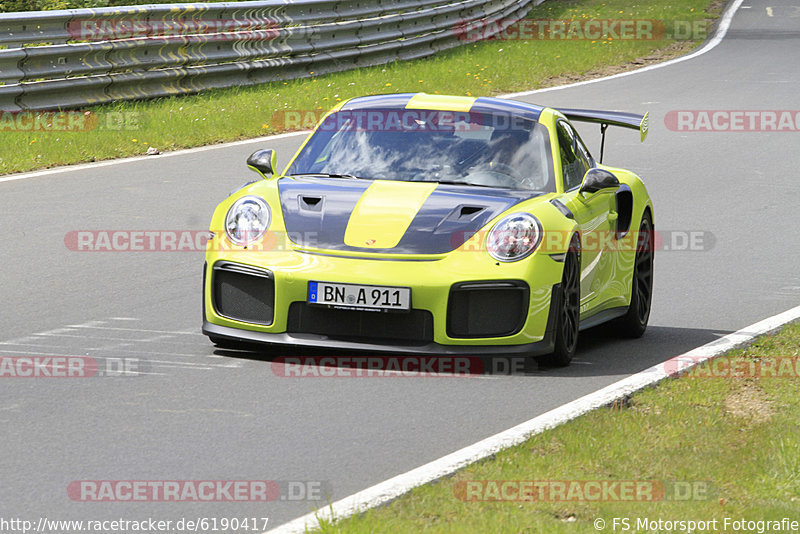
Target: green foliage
{"points": [[9, 6]]}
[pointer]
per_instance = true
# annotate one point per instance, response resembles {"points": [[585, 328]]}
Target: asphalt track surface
{"points": [[199, 413]]}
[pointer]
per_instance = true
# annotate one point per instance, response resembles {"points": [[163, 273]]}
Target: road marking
{"points": [[769, 11], [86, 350], [69, 331], [43, 353], [134, 330], [62, 329], [106, 163], [160, 339], [394, 487], [156, 363], [191, 365], [234, 365]]}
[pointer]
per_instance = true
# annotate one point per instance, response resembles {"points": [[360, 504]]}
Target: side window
{"points": [[574, 157]]}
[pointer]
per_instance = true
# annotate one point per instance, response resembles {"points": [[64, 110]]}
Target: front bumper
{"points": [[319, 341], [432, 283]]}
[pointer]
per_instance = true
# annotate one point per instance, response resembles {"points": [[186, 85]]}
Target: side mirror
{"points": [[264, 162], [598, 179]]}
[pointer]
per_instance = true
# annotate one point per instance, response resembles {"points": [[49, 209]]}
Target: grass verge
{"points": [[719, 442], [481, 68]]}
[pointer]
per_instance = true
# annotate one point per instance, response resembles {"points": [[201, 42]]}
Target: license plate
{"points": [[354, 296]]}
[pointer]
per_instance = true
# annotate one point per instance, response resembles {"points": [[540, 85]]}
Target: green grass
{"points": [[736, 439], [483, 68]]}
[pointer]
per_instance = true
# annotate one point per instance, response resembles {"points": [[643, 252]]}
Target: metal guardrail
{"points": [[74, 58]]}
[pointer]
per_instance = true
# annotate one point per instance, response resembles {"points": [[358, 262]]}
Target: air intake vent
{"points": [[243, 293], [411, 328], [487, 309]]}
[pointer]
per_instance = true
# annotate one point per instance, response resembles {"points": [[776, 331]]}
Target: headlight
{"points": [[247, 220], [514, 237]]}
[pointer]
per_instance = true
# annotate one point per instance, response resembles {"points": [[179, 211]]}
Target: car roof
{"points": [[481, 104]]}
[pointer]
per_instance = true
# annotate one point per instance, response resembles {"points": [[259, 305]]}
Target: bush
{"points": [[9, 6]]}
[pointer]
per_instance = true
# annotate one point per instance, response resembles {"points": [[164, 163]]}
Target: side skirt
{"points": [[603, 317]]}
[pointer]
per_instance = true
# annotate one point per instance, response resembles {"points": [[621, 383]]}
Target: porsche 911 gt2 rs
{"points": [[419, 223]]}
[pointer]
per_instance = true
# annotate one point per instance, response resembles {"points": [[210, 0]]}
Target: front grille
{"points": [[413, 327], [487, 309], [243, 293]]}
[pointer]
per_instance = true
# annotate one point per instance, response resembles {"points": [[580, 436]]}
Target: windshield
{"points": [[480, 149]]}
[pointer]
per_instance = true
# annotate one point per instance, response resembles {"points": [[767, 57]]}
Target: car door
{"points": [[594, 213]]}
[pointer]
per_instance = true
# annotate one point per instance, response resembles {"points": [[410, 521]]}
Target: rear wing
{"points": [[634, 121]]}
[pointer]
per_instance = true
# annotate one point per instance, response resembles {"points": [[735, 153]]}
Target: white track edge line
{"points": [[718, 36], [182, 152], [388, 490]]}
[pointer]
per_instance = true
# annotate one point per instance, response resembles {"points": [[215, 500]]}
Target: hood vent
{"points": [[310, 203], [465, 213], [470, 212]]}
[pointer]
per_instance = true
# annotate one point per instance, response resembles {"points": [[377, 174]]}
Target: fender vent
{"points": [[624, 198]]}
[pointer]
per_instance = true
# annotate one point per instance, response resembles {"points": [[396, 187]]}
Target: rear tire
{"points": [[568, 322], [634, 323]]}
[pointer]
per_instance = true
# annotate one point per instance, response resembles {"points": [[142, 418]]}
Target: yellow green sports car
{"points": [[441, 225]]}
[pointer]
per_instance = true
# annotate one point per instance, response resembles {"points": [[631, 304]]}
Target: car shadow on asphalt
{"points": [[600, 352]]}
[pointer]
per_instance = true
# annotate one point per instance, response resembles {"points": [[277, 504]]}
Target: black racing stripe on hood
{"points": [[316, 212], [452, 214], [321, 225]]}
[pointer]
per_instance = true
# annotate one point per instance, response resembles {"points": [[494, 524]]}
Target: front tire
{"points": [[634, 323], [568, 323]]}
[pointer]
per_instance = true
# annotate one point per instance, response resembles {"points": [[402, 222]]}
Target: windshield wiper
{"points": [[456, 182], [329, 175]]}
